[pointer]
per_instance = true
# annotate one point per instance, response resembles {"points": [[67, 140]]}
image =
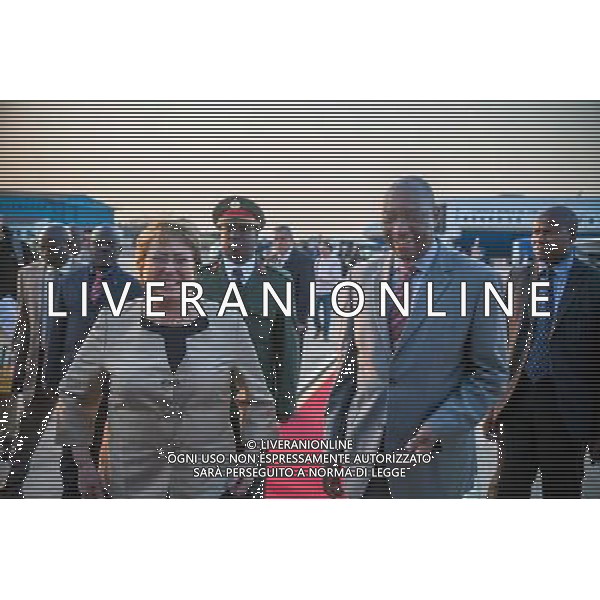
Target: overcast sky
{"points": [[321, 167]]}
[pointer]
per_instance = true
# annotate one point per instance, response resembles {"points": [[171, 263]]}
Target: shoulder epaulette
{"points": [[211, 268]]}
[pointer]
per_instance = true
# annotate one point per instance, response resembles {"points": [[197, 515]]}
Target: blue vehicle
{"points": [[21, 211], [27, 214], [501, 226]]}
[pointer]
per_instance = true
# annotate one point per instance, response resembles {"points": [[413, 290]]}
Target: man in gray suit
{"points": [[418, 383]]}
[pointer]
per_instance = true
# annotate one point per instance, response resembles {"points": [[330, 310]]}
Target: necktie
{"points": [[238, 276], [46, 321], [96, 288], [50, 339], [404, 273], [538, 363]]}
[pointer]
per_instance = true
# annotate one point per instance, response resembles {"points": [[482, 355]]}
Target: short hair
{"points": [[159, 231], [563, 215], [54, 228], [413, 187], [285, 229], [113, 231]]}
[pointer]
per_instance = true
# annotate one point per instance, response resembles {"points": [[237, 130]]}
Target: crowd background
{"points": [[326, 260]]}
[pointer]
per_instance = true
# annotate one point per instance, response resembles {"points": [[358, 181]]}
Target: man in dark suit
{"points": [[103, 268], [300, 265], [553, 406], [274, 336], [38, 352]]}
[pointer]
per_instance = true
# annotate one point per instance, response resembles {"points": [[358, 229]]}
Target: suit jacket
{"points": [[574, 344], [35, 332], [301, 267], [152, 411], [77, 326], [275, 337], [444, 372]]}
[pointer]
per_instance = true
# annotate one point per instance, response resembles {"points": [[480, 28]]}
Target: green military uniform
{"points": [[274, 336]]}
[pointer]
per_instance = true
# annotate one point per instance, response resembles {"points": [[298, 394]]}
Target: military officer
{"points": [[275, 336]]}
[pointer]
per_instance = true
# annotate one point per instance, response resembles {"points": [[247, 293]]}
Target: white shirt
{"points": [[9, 314], [561, 275], [423, 263], [328, 273], [245, 268], [279, 261]]}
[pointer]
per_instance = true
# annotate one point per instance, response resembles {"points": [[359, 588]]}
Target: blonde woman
{"points": [[170, 386]]}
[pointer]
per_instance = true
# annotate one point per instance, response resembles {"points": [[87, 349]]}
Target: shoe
{"points": [[10, 493]]}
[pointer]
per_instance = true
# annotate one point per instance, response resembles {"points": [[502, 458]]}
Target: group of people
{"points": [[125, 391], [423, 384]]}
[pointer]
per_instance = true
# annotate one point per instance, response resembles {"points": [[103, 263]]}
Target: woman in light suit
{"points": [[170, 386]]}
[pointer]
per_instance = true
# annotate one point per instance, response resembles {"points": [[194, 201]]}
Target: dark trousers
{"points": [[323, 303], [68, 466], [534, 436], [378, 488], [30, 431]]}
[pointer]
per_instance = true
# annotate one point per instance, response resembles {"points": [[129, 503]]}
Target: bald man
{"points": [[552, 411], [421, 383]]}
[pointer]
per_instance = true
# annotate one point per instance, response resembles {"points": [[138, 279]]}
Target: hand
{"points": [[90, 482], [332, 486], [491, 425], [595, 452], [239, 487], [423, 442]]}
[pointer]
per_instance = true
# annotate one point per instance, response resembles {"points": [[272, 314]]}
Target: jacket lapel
{"points": [[569, 294], [252, 293], [38, 290], [381, 324], [117, 281], [215, 283], [38, 297], [439, 276], [73, 289]]}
